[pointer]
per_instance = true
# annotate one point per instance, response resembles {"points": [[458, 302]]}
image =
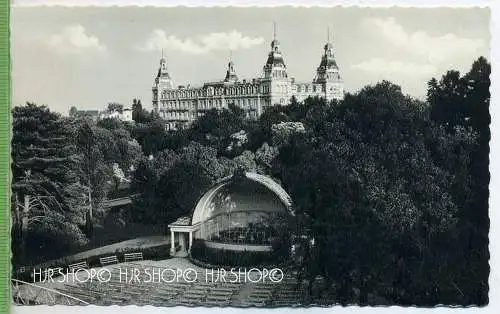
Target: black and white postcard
{"points": [[244, 157]]}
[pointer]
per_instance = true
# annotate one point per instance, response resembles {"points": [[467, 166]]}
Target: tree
{"points": [[93, 169], [115, 107], [141, 115], [216, 127], [44, 182], [137, 110], [282, 132], [171, 182], [151, 136], [189, 180], [470, 102], [272, 115], [246, 161], [371, 198], [73, 111], [144, 183], [265, 156], [110, 124]]}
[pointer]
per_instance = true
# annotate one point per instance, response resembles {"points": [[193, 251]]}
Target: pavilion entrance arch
{"points": [[182, 231]]}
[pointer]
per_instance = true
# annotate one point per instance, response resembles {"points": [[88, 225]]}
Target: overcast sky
{"points": [[88, 57]]}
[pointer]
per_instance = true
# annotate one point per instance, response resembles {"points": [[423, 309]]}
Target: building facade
{"points": [[181, 105], [124, 115]]}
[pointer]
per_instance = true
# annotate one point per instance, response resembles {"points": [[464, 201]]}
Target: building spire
{"points": [[328, 34], [231, 76], [274, 30]]}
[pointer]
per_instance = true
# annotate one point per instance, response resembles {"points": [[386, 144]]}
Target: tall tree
{"points": [[468, 98], [44, 178], [93, 169], [137, 110]]}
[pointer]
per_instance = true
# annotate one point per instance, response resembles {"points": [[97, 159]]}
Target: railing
{"points": [[25, 293]]}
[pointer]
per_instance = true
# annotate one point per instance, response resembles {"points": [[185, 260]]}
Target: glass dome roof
{"points": [[252, 193]]}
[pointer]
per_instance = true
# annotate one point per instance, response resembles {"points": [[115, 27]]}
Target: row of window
{"points": [[236, 90], [190, 115], [208, 104], [310, 88], [183, 115], [280, 88], [247, 90], [280, 74], [334, 76]]}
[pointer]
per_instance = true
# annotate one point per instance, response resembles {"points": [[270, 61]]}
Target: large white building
{"points": [[181, 105]]}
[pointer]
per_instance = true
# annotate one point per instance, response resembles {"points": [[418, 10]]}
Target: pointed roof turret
{"points": [[163, 77], [162, 57], [275, 42], [327, 69], [163, 70], [274, 59], [231, 73]]}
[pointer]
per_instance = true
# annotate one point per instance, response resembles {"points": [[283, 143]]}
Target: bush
{"points": [[202, 253]]}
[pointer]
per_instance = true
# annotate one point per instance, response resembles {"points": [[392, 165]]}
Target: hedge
{"points": [[230, 258]]}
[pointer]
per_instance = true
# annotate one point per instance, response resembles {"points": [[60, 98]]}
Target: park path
{"points": [[137, 243]]}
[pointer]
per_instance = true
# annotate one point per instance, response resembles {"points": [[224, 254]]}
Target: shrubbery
{"points": [[211, 256]]}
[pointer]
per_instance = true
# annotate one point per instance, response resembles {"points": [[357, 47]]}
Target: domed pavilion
{"points": [[239, 213]]}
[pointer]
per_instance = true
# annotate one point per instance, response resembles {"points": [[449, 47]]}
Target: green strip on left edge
{"points": [[5, 298]]}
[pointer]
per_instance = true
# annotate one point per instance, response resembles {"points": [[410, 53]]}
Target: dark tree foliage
{"points": [[113, 106], [216, 126], [93, 152], [171, 182], [46, 191], [109, 124], [382, 190], [136, 110], [139, 114], [151, 136], [462, 102]]}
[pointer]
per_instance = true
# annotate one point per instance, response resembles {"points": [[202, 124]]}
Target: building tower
{"points": [[162, 82], [276, 84], [231, 76], [328, 74]]}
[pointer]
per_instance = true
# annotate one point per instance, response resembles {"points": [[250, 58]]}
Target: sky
{"points": [[89, 56]]}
